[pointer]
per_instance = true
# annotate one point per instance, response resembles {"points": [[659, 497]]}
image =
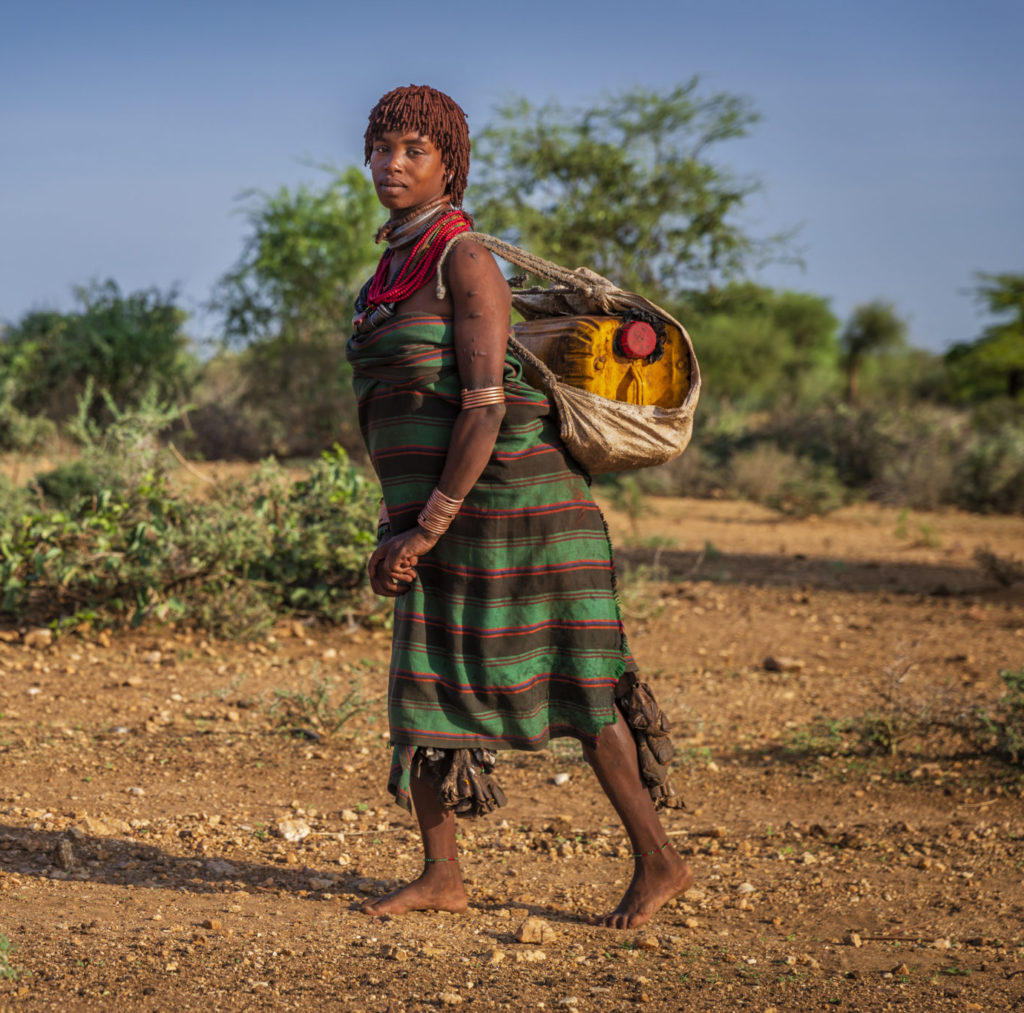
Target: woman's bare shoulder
{"points": [[471, 264]]}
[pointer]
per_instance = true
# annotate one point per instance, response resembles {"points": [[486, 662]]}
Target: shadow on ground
{"points": [[815, 572]]}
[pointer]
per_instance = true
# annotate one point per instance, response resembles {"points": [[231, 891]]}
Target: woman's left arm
{"points": [[481, 302]]}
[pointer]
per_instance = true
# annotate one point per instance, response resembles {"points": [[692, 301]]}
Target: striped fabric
{"points": [[511, 634]]}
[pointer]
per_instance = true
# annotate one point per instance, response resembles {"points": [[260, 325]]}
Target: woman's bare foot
{"points": [[435, 890], [656, 879]]}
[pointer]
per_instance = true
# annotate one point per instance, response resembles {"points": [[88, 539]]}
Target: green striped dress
{"points": [[511, 633]]}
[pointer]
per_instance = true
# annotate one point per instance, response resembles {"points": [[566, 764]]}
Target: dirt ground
{"points": [[182, 827]]}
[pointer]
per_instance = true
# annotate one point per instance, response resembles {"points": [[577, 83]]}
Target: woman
{"points": [[507, 630]]}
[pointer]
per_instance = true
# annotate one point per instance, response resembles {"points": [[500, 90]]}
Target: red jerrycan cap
{"points": [[637, 339]]}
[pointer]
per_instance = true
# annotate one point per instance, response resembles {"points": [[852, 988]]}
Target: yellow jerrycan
{"points": [[634, 358]]}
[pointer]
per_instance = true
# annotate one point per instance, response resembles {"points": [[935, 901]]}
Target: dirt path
{"points": [[149, 785]]}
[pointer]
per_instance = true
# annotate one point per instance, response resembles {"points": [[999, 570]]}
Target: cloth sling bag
{"points": [[603, 435]]}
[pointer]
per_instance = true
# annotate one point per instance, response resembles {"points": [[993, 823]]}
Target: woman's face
{"points": [[407, 170]]}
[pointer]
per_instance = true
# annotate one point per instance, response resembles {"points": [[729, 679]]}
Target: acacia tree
{"points": [[994, 364], [288, 301], [305, 256], [627, 187], [872, 328]]}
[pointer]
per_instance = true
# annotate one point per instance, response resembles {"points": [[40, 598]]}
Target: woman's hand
{"points": [[392, 566]]}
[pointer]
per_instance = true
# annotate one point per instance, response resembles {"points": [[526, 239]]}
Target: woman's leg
{"points": [[439, 887], [658, 872]]}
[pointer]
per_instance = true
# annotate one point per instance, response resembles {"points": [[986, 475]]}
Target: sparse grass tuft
{"points": [[8, 971], [316, 710]]}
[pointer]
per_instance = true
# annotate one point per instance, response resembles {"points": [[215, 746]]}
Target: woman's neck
{"points": [[398, 227]]}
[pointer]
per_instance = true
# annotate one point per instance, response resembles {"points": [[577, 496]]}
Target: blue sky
{"points": [[891, 133]]}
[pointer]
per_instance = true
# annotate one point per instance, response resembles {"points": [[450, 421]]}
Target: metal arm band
{"points": [[482, 396], [439, 512]]}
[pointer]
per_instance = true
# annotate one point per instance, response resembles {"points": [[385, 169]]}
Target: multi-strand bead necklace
{"points": [[420, 263]]}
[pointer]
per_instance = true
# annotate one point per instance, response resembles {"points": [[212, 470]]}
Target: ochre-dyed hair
{"points": [[433, 114]]}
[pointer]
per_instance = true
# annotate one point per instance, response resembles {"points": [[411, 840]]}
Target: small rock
{"points": [[692, 923], [646, 941], [852, 939], [530, 956], [293, 830], [782, 664], [561, 779], [900, 969], [349, 815], [942, 944], [494, 956], [568, 1000], [329, 655], [450, 999], [745, 888], [397, 953], [136, 791], [212, 925], [152, 657], [535, 930], [317, 883], [38, 638]]}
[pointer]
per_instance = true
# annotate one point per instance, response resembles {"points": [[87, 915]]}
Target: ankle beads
{"points": [[431, 861], [647, 854]]}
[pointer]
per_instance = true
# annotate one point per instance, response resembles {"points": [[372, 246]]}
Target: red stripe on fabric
{"points": [[516, 571], [546, 733], [520, 687], [512, 631]]}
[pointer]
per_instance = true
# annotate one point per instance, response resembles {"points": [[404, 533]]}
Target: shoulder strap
{"points": [[605, 296]]}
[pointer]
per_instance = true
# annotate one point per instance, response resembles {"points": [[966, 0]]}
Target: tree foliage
{"points": [[288, 301], [125, 345], [305, 257], [873, 328], [994, 364], [626, 187], [760, 347]]}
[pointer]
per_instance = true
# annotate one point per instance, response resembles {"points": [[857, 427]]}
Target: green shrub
{"points": [[126, 343], [990, 472], [785, 482], [1004, 727], [130, 548]]}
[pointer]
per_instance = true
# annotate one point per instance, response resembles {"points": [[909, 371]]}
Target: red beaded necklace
{"points": [[420, 263]]}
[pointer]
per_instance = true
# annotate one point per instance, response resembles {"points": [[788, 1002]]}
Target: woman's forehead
{"points": [[414, 135]]}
